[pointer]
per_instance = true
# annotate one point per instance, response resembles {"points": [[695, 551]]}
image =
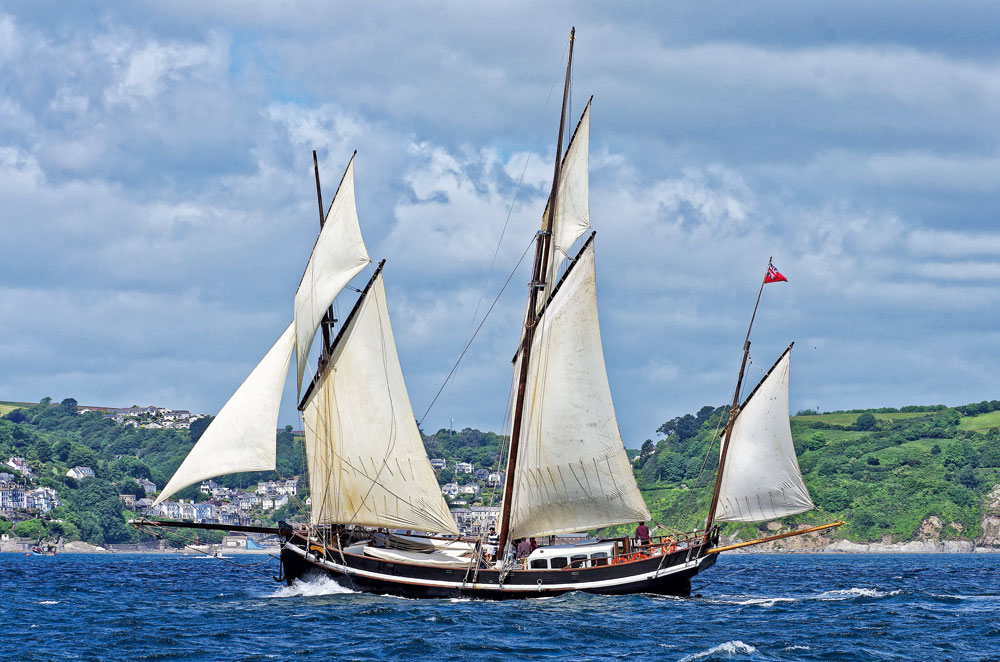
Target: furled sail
{"points": [[572, 217], [243, 436], [367, 463], [572, 472], [338, 256], [761, 480]]}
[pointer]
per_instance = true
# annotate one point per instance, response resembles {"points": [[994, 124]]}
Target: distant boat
{"points": [[567, 469], [45, 548]]}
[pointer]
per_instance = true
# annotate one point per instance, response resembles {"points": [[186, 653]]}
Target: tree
{"points": [[69, 404], [198, 427], [32, 528], [866, 422]]}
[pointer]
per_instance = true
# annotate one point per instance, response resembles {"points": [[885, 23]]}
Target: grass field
{"points": [[849, 419], [980, 422], [10, 406]]}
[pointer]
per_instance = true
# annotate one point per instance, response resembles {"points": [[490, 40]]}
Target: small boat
{"points": [[45, 549], [566, 469]]}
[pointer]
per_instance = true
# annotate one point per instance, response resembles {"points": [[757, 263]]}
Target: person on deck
{"points": [[523, 549], [642, 533], [534, 544], [492, 540]]}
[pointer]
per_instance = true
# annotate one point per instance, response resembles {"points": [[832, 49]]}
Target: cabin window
{"points": [[578, 560], [599, 558], [559, 562], [540, 564]]}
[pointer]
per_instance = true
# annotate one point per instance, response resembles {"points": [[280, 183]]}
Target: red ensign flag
{"points": [[773, 275]]}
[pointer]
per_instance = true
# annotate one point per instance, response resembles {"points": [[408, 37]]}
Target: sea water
{"points": [[748, 607]]}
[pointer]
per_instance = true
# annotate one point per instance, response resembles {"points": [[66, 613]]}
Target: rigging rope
{"points": [[469, 343]]}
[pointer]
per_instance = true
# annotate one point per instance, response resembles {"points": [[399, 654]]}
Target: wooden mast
{"points": [[538, 275], [733, 413], [328, 316]]}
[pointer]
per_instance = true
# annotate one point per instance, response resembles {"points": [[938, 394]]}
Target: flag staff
{"points": [[770, 276]]}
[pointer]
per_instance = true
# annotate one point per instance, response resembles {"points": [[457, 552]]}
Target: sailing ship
{"points": [[567, 469]]}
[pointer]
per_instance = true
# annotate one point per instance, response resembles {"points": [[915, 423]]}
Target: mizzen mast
{"points": [[733, 413], [543, 239]]}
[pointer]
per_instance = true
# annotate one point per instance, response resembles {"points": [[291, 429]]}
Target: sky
{"points": [[158, 205]]}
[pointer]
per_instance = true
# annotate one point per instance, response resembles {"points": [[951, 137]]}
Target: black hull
{"points": [[668, 574]]}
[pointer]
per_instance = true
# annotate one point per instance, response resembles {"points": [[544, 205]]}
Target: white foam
{"points": [[846, 594], [728, 648], [49, 602], [310, 588]]}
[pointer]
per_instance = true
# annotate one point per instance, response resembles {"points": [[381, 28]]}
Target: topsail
{"points": [[338, 256]]}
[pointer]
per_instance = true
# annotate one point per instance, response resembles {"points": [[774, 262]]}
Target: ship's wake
{"points": [[309, 587]]}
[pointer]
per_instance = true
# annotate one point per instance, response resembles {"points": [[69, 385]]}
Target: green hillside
{"points": [[883, 471], [55, 437]]}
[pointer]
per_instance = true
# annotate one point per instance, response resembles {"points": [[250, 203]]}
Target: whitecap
{"points": [[846, 594], [765, 602], [728, 648], [311, 588], [48, 602]]}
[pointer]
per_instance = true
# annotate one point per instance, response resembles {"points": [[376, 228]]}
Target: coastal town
{"points": [[468, 489]]}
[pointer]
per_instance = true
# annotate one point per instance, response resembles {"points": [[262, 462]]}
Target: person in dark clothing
{"points": [[642, 533]]}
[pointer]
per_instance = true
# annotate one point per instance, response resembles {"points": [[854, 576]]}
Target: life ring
{"points": [[669, 549]]}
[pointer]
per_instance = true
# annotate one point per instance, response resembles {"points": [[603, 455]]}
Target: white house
{"points": [[471, 488], [148, 486], [450, 489], [79, 473], [18, 464], [464, 467], [494, 479], [439, 463]]}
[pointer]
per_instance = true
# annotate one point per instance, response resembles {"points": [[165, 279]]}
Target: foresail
{"points": [[338, 256], [572, 217], [572, 472], [243, 435], [761, 480], [367, 463]]}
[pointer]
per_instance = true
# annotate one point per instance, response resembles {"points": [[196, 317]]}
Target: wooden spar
{"points": [[733, 413], [538, 276], [790, 534], [141, 521], [327, 322]]}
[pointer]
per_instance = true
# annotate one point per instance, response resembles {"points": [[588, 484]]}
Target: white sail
{"points": [[572, 472], [243, 436], [761, 480], [367, 463], [338, 256], [572, 217]]}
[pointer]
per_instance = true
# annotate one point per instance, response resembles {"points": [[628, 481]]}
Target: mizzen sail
{"points": [[338, 256], [367, 463], [762, 480], [243, 436], [572, 472]]}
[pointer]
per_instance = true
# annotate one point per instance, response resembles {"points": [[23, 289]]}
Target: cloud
{"points": [[159, 202]]}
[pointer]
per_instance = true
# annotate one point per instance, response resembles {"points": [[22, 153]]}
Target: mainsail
{"points": [[367, 463], [338, 256], [761, 480], [243, 436], [572, 472]]}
